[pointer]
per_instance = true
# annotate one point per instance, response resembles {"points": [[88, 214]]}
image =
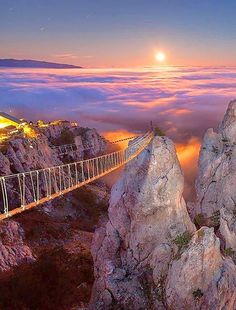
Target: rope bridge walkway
{"points": [[23, 191], [124, 139], [65, 149]]}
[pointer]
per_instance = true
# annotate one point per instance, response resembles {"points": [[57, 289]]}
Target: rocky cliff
{"points": [[201, 278], [217, 177], [149, 255], [45, 259], [21, 154], [147, 213], [47, 249]]}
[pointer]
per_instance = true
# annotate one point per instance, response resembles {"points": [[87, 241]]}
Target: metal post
{"points": [[37, 182], [4, 195], [82, 171]]}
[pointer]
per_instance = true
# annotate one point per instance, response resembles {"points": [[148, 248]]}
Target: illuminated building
{"points": [[7, 120], [10, 125], [64, 122]]}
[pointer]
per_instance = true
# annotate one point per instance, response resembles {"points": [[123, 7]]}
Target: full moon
{"points": [[160, 56]]}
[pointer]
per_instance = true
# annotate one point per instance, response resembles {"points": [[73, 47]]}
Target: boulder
{"points": [[202, 278]]}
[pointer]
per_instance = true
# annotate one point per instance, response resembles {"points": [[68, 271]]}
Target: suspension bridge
{"points": [[71, 148], [23, 191]]}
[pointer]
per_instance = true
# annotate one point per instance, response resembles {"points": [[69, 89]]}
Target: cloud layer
{"points": [[183, 101]]}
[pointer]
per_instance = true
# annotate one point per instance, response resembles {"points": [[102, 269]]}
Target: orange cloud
{"points": [[188, 153], [178, 111], [118, 135], [189, 150]]}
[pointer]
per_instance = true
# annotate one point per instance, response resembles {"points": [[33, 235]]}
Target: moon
{"points": [[160, 57]]}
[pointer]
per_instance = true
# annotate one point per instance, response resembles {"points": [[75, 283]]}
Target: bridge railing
{"points": [[65, 148], [22, 191], [68, 148]]}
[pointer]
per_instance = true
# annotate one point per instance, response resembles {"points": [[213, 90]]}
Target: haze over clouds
{"points": [[175, 98], [183, 101]]}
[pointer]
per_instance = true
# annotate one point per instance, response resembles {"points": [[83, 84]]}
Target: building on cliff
{"points": [[7, 120], [10, 125]]}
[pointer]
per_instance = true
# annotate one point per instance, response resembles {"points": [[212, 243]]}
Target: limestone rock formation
{"points": [[93, 143], [54, 131], [55, 234], [146, 213], [217, 176], [201, 278], [22, 154], [13, 251]]}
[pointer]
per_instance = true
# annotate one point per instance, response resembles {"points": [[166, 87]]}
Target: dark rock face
{"points": [[58, 237], [13, 250]]}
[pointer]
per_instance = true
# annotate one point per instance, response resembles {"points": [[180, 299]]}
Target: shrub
{"points": [[200, 233], [66, 137], [229, 252], [197, 294], [183, 240], [158, 132], [199, 219]]}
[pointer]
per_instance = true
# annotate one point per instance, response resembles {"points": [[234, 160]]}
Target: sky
{"points": [[119, 33]]}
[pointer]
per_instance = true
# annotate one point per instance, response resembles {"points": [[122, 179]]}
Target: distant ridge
{"points": [[28, 63]]}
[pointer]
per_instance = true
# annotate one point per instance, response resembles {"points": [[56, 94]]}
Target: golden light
{"points": [[30, 132], [160, 56], [118, 135]]}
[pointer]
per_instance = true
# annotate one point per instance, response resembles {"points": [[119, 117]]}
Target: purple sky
{"points": [[106, 33]]}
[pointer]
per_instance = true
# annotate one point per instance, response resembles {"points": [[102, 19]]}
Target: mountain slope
{"points": [[27, 63]]}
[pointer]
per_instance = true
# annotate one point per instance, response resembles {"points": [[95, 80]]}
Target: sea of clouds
{"points": [[175, 98], [183, 101]]}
